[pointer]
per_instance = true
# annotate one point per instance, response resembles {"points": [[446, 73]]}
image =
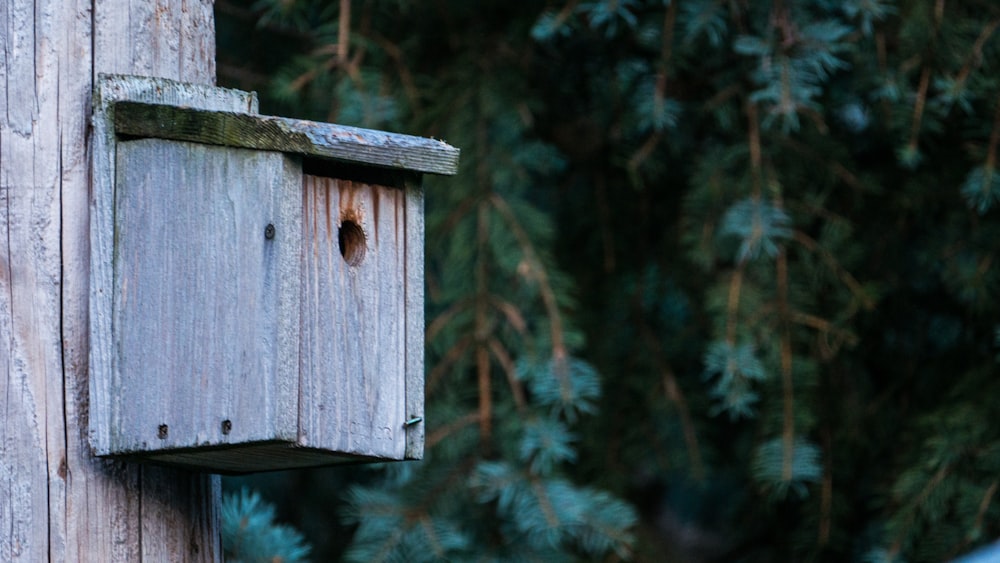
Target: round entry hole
{"points": [[351, 238]]}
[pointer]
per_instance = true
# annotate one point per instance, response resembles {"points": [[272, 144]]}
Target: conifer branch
{"points": [[914, 505], [666, 47], [459, 212], [445, 317], [543, 501], [390, 543], [676, 396], [644, 151], [405, 75], [450, 358], [481, 325], [733, 303], [432, 538], [507, 363], [838, 169], [455, 425], [984, 504], [722, 96], [975, 57], [753, 132], [883, 67], [918, 107], [343, 32], [538, 272], [846, 277], [513, 314], [305, 78], [991, 150], [788, 413], [565, 13], [660, 91], [826, 492], [603, 207], [481, 328], [873, 68], [824, 328]]}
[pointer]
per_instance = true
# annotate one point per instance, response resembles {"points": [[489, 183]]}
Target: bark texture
{"points": [[58, 502]]}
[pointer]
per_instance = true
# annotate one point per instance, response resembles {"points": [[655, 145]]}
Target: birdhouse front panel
{"points": [[206, 270]]}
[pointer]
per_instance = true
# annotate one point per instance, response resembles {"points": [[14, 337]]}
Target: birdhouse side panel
{"points": [[415, 332], [205, 320], [353, 317]]}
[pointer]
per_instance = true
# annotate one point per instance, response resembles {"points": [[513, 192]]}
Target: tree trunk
{"points": [[58, 502]]}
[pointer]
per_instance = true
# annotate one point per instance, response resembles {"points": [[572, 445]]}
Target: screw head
{"points": [[269, 231]]}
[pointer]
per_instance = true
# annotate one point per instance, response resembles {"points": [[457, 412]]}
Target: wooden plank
{"points": [[206, 272], [353, 318], [163, 38], [79, 484], [35, 168], [59, 503], [29, 294], [169, 491], [113, 89], [414, 280], [103, 519], [109, 90], [111, 489], [325, 140]]}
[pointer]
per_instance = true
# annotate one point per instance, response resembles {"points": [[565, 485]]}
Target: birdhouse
{"points": [[256, 298]]}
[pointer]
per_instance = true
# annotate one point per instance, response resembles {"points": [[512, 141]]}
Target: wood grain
{"points": [[308, 138], [354, 319], [58, 502], [184, 342], [206, 305], [414, 280]]}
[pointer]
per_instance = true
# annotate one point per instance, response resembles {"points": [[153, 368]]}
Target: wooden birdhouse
{"points": [[256, 297]]}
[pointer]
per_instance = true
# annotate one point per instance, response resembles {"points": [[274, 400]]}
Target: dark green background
{"points": [[767, 230]]}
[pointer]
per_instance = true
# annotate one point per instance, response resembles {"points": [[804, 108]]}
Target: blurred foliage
{"points": [[250, 534], [714, 282]]}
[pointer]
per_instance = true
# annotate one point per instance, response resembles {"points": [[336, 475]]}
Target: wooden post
{"points": [[58, 502]]}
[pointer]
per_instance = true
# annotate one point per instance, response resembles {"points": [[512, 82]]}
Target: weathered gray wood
{"points": [[360, 316], [176, 40], [109, 90], [164, 38], [414, 280], [169, 491], [192, 498], [58, 502], [355, 253], [354, 318], [338, 142], [206, 305], [31, 442]]}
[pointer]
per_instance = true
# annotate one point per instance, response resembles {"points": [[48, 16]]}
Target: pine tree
{"points": [[250, 534], [716, 277]]}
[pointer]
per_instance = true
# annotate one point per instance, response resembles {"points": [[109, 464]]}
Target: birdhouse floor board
{"points": [[252, 458]]}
